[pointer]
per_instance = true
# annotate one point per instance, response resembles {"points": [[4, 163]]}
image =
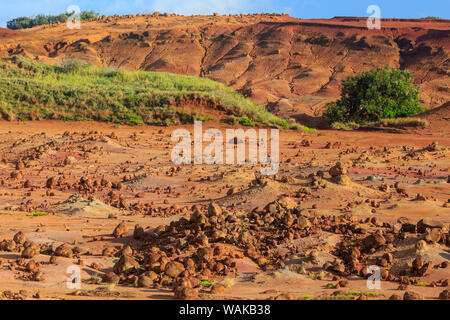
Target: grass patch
{"points": [[346, 126], [92, 280], [46, 252], [75, 90], [37, 214], [205, 283], [331, 286], [421, 284], [307, 297]]}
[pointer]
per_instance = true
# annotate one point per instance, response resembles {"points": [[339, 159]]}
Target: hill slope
{"points": [[75, 90], [267, 57]]}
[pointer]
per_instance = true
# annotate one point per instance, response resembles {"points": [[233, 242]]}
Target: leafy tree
{"points": [[374, 95], [42, 19]]}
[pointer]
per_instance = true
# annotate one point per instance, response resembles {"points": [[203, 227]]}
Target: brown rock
{"points": [[33, 267], [111, 277], [145, 282], [120, 230], [286, 296], [125, 264], [30, 252], [19, 238], [425, 223], [374, 241], [214, 210], [445, 295], [411, 295], [433, 235], [218, 289], [338, 170], [184, 293], [64, 251], [174, 269], [138, 233], [303, 223]]}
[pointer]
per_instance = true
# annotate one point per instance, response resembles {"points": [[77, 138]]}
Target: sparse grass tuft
{"points": [[37, 214], [400, 123], [421, 284], [384, 123], [344, 126]]}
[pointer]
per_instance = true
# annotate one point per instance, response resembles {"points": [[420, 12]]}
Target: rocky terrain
{"points": [[294, 66], [107, 199]]}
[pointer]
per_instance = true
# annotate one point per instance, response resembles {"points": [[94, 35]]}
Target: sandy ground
{"points": [[136, 161]]}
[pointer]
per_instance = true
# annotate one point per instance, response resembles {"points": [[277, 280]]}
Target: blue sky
{"points": [[10, 9]]}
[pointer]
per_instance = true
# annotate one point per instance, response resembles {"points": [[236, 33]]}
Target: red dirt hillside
{"points": [[293, 65]]}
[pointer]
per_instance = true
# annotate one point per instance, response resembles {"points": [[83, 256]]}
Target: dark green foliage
{"points": [[377, 94], [41, 19]]}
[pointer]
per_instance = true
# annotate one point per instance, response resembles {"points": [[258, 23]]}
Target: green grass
{"points": [[421, 284], [46, 252], [92, 280], [31, 90], [37, 214], [206, 283]]}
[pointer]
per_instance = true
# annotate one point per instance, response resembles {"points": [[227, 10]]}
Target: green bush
{"points": [[377, 94]]}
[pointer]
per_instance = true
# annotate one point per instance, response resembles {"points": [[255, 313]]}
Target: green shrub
{"points": [[246, 122], [377, 94]]}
